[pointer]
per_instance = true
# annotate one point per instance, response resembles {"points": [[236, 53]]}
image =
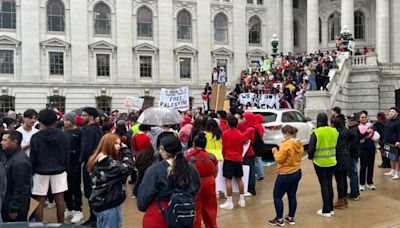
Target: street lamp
{"points": [[274, 43], [346, 37]]}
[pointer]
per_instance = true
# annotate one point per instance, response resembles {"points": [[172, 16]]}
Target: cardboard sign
{"points": [[134, 103], [227, 105], [217, 97], [175, 98], [245, 98], [351, 46]]}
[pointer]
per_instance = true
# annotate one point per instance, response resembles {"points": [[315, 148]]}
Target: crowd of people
{"points": [[50, 154]]}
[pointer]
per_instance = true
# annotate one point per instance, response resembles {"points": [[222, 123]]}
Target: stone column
{"points": [[312, 26], [383, 30], [395, 30], [287, 39], [348, 14]]}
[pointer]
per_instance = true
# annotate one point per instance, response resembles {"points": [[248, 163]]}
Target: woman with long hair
{"points": [[162, 178], [109, 168], [214, 139]]}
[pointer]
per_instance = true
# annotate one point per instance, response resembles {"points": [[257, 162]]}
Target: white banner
{"points": [[245, 98], [220, 180], [269, 101], [134, 103], [175, 98]]}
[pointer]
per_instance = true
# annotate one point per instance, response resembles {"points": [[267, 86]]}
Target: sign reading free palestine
{"points": [[177, 98]]}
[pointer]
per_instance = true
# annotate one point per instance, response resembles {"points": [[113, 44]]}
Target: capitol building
{"points": [[96, 52]]}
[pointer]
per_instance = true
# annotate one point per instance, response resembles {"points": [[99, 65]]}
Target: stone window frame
{"points": [[59, 100], [45, 32], [260, 43], [13, 14], [102, 47], [10, 44], [10, 70], [186, 25], [146, 49], [361, 25], [148, 71], [7, 99], [186, 51], [59, 71], [91, 22], [224, 54], [152, 6], [104, 103], [62, 15], [55, 45], [331, 25], [141, 9], [226, 28]]}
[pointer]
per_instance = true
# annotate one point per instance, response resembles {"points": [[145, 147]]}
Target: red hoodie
{"points": [[258, 124], [249, 133]]}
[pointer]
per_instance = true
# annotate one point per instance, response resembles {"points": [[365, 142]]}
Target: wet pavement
{"points": [[376, 208]]}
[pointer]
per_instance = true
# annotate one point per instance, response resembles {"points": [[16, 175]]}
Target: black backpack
{"points": [[258, 145], [180, 212]]}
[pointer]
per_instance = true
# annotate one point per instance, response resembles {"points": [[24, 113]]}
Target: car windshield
{"points": [[268, 116]]}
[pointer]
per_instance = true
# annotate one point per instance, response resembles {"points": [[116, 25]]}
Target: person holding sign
{"points": [[391, 142]]}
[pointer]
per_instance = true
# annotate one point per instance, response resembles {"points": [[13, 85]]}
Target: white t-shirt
{"points": [[26, 138]]}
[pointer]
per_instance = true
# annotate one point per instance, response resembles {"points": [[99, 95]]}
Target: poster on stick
{"points": [[134, 103], [177, 98]]}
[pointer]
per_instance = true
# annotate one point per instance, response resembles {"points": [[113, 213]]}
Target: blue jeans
{"points": [[259, 166], [353, 176], [286, 184], [313, 82], [110, 218]]}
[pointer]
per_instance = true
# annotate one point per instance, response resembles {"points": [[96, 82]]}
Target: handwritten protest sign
{"points": [[245, 98], [177, 98], [134, 103], [269, 101]]}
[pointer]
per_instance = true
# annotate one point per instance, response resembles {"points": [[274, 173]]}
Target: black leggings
{"points": [[367, 162]]}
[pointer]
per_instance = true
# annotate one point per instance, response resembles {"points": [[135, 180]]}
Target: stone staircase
{"points": [[360, 83]]}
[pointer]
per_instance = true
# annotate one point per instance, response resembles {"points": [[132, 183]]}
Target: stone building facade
{"points": [[96, 52]]}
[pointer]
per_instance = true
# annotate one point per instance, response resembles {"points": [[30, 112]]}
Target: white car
{"points": [[275, 119]]}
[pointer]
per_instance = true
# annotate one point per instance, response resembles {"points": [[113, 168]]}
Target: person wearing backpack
{"points": [[207, 166], [164, 184]]}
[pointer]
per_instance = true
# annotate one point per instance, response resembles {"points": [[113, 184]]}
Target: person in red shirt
{"points": [[248, 159], [207, 166], [222, 120], [232, 149]]}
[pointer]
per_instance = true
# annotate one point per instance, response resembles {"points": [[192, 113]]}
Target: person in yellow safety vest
{"points": [[322, 151]]}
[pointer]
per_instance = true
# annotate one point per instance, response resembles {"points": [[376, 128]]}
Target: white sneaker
{"points": [[242, 203], [396, 177], [77, 217], [68, 214], [332, 213], [51, 205], [390, 173], [361, 188], [227, 205], [371, 187], [326, 215], [247, 194]]}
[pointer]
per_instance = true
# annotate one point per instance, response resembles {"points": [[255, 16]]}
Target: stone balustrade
{"points": [[364, 60]]}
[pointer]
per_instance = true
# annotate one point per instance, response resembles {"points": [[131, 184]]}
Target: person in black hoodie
{"points": [[343, 161], [90, 140], [352, 124], [50, 161], [15, 204]]}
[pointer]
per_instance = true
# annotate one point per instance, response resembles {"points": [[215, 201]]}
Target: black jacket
{"points": [[342, 148], [3, 183], [392, 131], [108, 180], [75, 141], [355, 142], [90, 140], [49, 152], [157, 185], [380, 128], [19, 176]]}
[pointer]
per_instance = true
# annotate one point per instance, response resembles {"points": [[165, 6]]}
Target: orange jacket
{"points": [[288, 158]]}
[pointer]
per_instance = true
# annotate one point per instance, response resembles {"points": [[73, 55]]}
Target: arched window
{"points": [[359, 25], [184, 21], [102, 19], [144, 22], [334, 26], [320, 29], [55, 16], [295, 34], [221, 28], [254, 30], [7, 14]]}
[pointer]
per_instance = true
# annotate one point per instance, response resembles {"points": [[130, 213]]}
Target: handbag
{"points": [[391, 152]]}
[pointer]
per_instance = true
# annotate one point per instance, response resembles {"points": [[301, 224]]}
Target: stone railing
{"points": [[389, 68], [364, 60]]}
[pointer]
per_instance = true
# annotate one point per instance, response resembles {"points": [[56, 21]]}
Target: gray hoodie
{"points": [[3, 183]]}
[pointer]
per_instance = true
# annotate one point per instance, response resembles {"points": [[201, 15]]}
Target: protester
{"points": [[322, 151], [232, 149], [207, 166], [380, 126], [214, 139], [3, 186], [259, 165], [27, 130], [9, 124], [391, 141], [161, 180], [50, 161], [288, 159], [343, 161], [367, 151], [248, 158], [185, 131], [109, 168], [90, 140], [352, 124], [16, 202], [73, 196]]}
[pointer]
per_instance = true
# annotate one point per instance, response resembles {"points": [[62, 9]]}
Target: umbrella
{"points": [[78, 111], [159, 116]]}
